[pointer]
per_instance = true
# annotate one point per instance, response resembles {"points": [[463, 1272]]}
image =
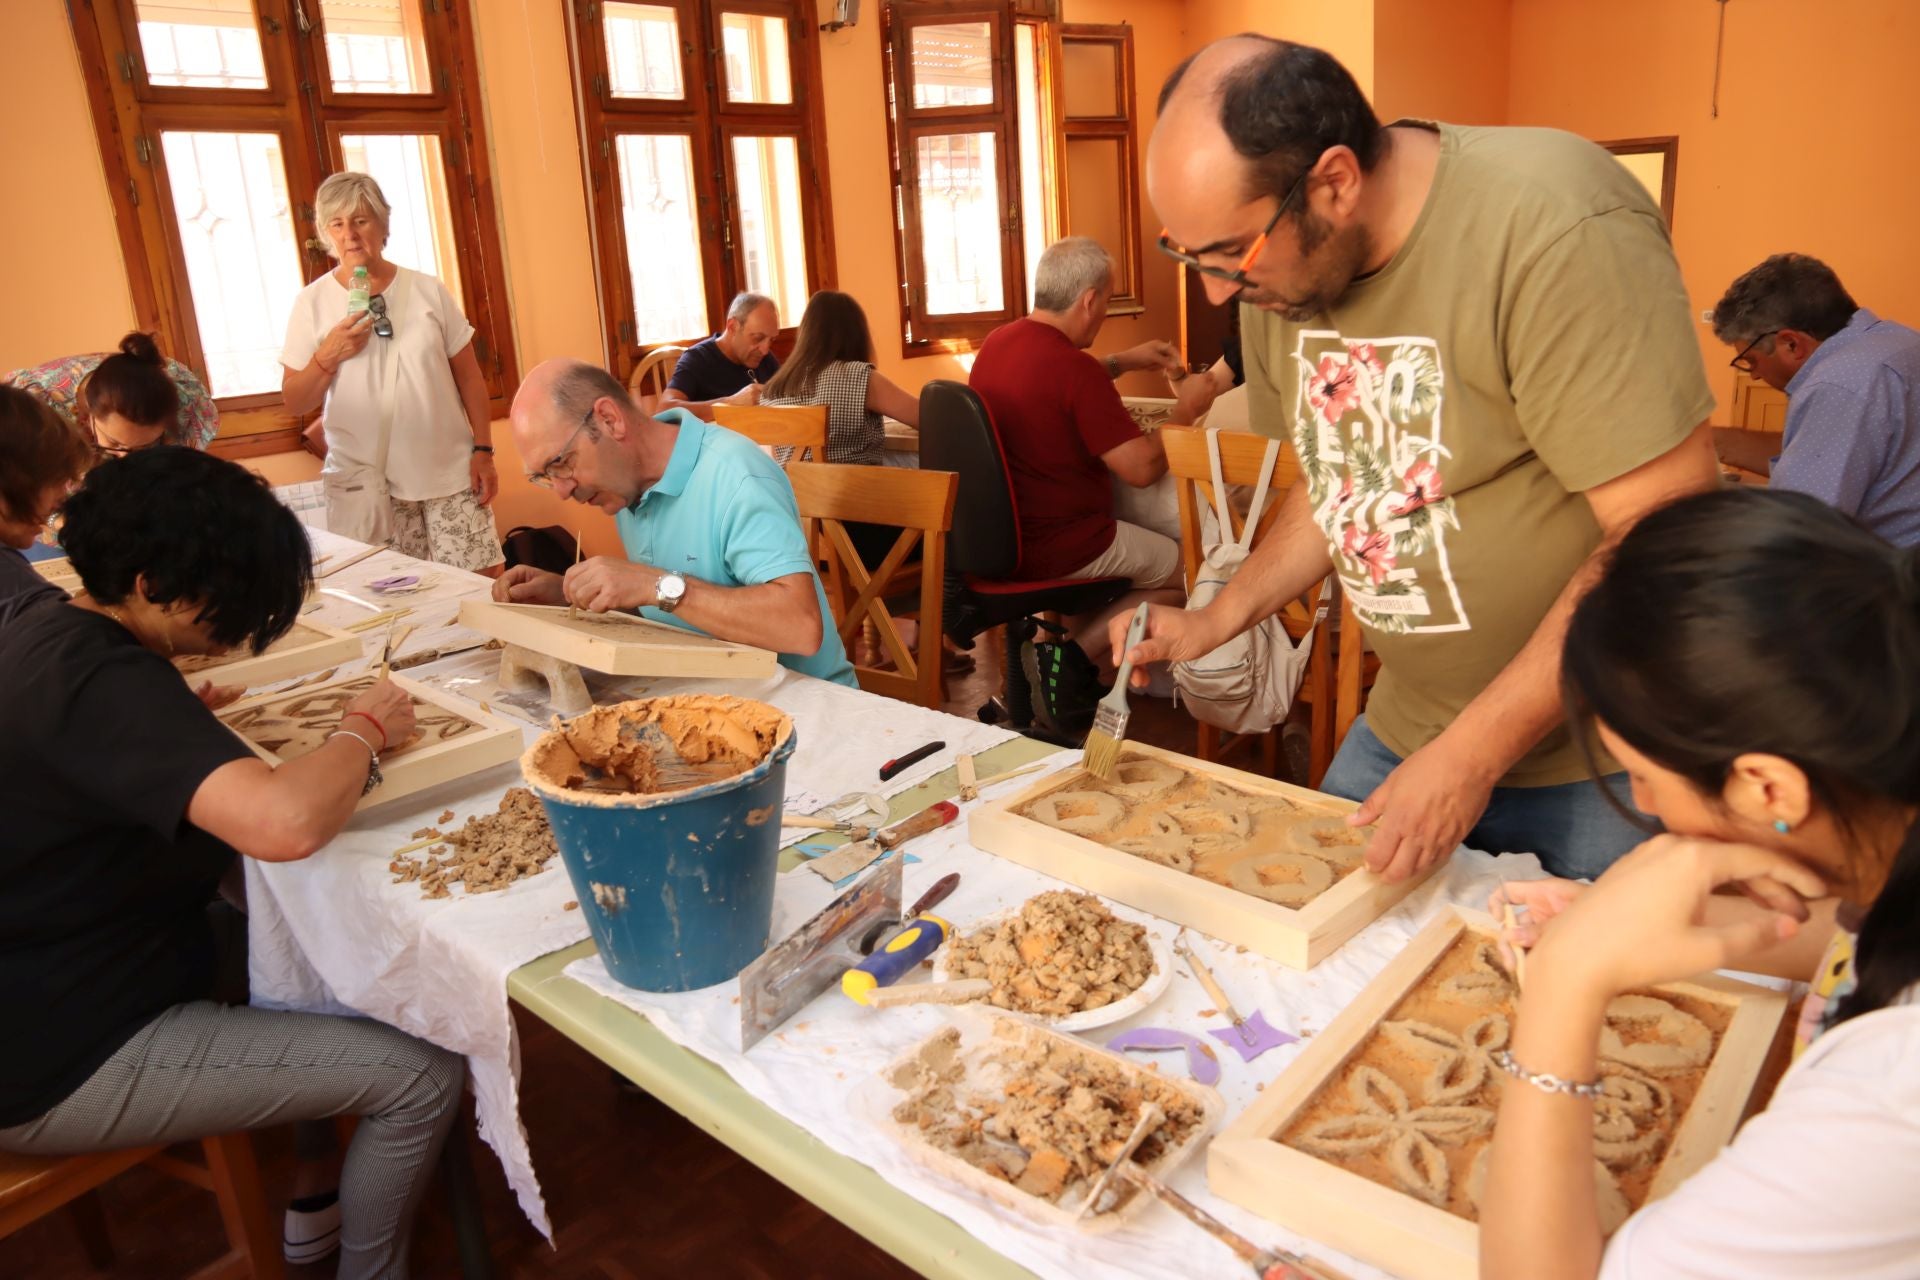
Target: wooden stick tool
{"points": [[1212, 984], [1268, 1264], [573, 610], [1151, 1117], [1510, 917]]}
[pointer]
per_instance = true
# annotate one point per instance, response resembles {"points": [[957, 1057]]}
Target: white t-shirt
{"points": [[1825, 1182], [431, 444]]}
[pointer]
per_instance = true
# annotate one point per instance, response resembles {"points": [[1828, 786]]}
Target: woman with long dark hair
{"points": [[832, 364], [1753, 660]]}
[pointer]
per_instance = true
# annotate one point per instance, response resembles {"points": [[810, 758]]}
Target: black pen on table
{"points": [[900, 764]]}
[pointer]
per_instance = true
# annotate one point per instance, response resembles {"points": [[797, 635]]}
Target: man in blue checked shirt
{"points": [[1852, 380]]}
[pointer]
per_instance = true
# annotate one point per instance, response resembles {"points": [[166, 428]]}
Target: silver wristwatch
{"points": [[669, 592]]}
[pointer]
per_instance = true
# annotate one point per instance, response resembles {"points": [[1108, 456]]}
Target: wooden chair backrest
{"points": [[801, 427], [651, 374], [920, 504]]}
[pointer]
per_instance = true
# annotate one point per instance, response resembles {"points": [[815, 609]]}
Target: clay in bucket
{"points": [[666, 811], [656, 744]]}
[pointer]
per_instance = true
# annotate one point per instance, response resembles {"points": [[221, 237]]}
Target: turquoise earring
{"points": [[1780, 825]]}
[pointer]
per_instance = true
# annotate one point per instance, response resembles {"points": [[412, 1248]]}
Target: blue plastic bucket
{"points": [[676, 886]]}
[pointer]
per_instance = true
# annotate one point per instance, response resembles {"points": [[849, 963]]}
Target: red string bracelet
{"points": [[377, 726]]}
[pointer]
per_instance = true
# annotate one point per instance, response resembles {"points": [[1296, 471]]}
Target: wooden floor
{"points": [[636, 1192]]}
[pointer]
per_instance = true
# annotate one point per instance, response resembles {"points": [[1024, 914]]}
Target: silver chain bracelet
{"points": [[1546, 1081]]}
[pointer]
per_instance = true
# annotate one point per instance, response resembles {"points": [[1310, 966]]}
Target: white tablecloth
{"points": [[810, 1070], [334, 934]]}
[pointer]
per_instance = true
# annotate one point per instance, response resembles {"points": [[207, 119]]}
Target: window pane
{"points": [[1096, 191], [409, 170], [1034, 203], [643, 51], [959, 222], [953, 64], [756, 52], [773, 238], [376, 46], [663, 241], [202, 44], [1088, 79], [236, 230]]}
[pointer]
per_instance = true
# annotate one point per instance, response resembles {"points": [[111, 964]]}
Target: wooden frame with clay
{"points": [[1299, 938], [496, 740], [1401, 1233], [655, 648], [307, 647]]}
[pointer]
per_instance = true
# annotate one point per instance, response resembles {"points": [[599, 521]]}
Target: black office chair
{"points": [[983, 550]]}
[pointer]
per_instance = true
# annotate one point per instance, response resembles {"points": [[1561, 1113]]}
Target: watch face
{"points": [[669, 591]]}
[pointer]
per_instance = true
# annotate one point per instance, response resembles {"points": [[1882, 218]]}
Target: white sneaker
{"points": [[313, 1229]]}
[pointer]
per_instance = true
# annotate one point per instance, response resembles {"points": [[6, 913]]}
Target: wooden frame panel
{"points": [[498, 741], [1128, 294], [924, 333], [656, 649], [309, 647], [1298, 939], [1399, 1232], [1668, 149]]}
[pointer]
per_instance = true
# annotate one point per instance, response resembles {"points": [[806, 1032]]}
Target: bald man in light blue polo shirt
{"points": [[708, 521]]}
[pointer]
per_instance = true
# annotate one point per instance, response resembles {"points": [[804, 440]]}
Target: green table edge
{"points": [[929, 1242]]}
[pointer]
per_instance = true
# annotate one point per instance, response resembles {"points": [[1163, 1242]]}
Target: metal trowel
{"points": [[791, 975]]}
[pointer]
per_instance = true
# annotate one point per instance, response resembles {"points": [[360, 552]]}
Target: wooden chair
{"points": [[651, 374], [800, 427], [1333, 683], [32, 1187], [921, 504]]}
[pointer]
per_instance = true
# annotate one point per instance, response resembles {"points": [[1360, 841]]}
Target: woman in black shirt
{"points": [[128, 800]]}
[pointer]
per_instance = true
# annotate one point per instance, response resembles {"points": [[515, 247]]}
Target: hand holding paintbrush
{"points": [[1102, 755]]}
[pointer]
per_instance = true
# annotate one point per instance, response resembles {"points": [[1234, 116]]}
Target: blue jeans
{"points": [[1574, 829]]}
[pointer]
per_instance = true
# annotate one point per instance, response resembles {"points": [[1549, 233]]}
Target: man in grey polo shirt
{"points": [[1852, 380]]}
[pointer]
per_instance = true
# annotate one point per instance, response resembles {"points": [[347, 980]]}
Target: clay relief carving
{"points": [[1262, 845], [1416, 1104], [300, 723]]}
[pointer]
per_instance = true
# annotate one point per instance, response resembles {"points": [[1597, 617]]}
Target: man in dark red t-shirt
{"points": [[1065, 431]]}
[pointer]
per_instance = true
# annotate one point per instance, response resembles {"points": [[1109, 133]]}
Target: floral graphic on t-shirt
{"points": [[1368, 434]]}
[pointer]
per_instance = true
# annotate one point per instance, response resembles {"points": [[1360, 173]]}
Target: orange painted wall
{"points": [[66, 279], [1441, 61], [1812, 152], [1344, 28]]}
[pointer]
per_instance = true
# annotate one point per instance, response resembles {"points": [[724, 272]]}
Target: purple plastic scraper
{"points": [[1202, 1065]]}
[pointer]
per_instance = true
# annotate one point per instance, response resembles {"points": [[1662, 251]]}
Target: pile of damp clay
{"points": [[656, 745]]}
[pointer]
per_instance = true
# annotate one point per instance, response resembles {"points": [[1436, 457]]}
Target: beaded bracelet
{"points": [[1546, 1081]]}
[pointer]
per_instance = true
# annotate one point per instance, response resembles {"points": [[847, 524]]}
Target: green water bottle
{"points": [[359, 293]]}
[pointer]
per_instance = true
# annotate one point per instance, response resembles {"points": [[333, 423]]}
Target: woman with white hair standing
{"points": [[409, 436]]}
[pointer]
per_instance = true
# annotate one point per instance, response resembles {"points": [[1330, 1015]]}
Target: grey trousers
{"points": [[206, 1068]]}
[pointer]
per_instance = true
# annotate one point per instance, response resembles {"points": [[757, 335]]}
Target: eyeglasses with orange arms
{"points": [[1238, 275]]}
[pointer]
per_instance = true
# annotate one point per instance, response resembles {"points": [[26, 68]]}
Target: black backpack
{"points": [[550, 547]]}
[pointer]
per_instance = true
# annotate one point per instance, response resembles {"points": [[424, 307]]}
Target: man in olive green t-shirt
{"points": [[1479, 346]]}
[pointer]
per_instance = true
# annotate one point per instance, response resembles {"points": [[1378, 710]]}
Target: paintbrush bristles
{"points": [[1103, 743]]}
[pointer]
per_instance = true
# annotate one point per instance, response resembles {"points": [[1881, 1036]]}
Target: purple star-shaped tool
{"points": [[1264, 1037]]}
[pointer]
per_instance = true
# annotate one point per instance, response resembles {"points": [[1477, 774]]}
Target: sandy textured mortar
{"points": [[676, 886]]}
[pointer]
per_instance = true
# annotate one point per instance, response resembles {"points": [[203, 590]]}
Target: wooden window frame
{"points": [[706, 116], [129, 115], [1669, 149], [1128, 295], [923, 334]]}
